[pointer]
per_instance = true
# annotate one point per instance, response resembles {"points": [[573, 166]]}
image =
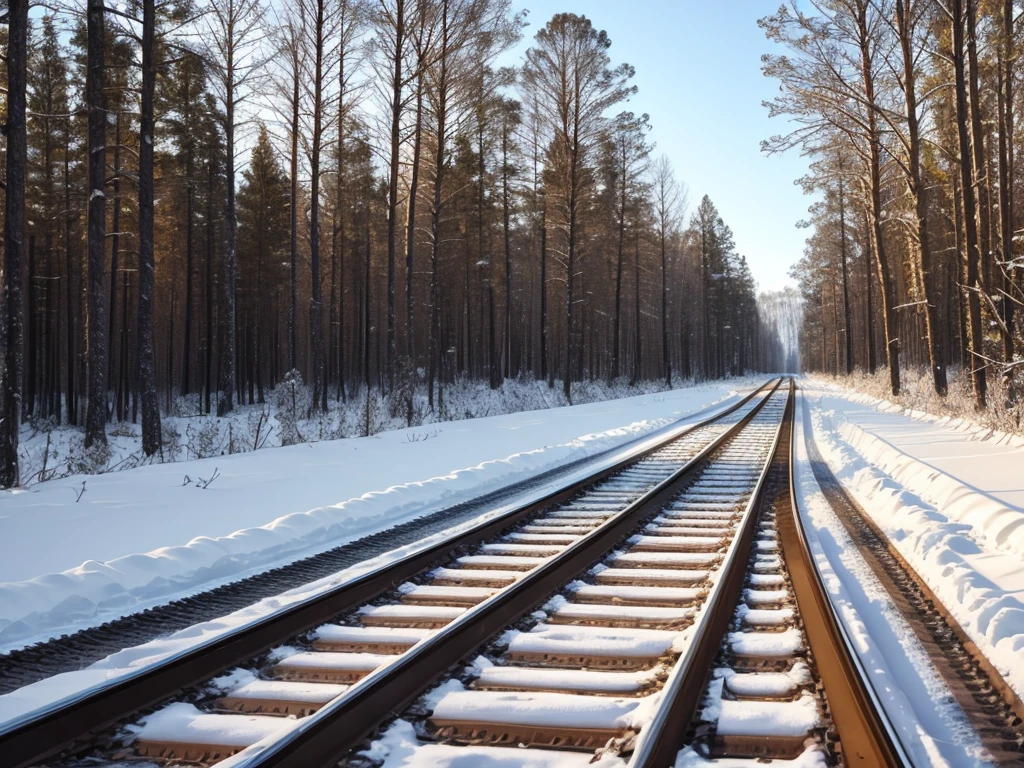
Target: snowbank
{"points": [[146, 536], [930, 725], [961, 537]]}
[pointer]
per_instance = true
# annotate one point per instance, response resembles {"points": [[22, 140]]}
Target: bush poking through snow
{"points": [[49, 451], [292, 402]]}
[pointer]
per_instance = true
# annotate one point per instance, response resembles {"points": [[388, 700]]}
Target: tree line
{"points": [[908, 110], [205, 199]]}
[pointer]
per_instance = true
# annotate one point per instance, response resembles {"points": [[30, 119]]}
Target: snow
{"points": [[764, 617], [62, 569], [312, 693], [181, 722], [462, 594], [538, 709], [765, 684], [679, 543], [474, 575], [812, 757], [785, 643], [651, 575], [768, 718], [953, 507], [666, 559], [681, 595], [399, 748], [599, 641], [312, 660], [560, 679], [335, 633], [587, 611], [929, 724], [410, 612]]}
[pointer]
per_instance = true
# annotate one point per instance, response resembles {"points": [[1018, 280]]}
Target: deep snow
{"points": [[143, 536], [949, 501]]}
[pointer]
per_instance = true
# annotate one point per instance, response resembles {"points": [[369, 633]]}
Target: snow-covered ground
{"points": [[951, 502], [143, 536], [133, 661]]}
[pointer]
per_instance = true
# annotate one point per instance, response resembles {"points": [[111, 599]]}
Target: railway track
{"points": [[667, 612], [372, 635]]}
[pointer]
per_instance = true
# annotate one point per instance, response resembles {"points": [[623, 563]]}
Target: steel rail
{"points": [[662, 738], [324, 738], [865, 731], [42, 734]]}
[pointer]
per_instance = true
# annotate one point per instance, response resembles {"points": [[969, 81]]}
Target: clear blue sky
{"points": [[698, 69]]}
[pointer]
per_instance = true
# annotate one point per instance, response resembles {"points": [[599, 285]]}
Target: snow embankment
{"points": [[967, 544], [146, 536]]}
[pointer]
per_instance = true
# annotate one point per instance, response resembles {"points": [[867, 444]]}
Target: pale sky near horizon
{"points": [[698, 70]]}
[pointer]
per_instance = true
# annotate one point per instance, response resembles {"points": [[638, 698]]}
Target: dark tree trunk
{"points": [[186, 353], [14, 236], [638, 330], [226, 315], [96, 414], [210, 255], [507, 229], [410, 235], [115, 259], [434, 364], [394, 163], [547, 371], [294, 214], [145, 352], [316, 330], [666, 362], [70, 395]]}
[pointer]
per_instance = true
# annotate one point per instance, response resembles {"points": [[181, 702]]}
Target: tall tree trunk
{"points": [[393, 167], [936, 353], [546, 369], [145, 354], [339, 228], [96, 413], [294, 212], [210, 254], [979, 158], [847, 318], [1007, 58], [967, 191], [666, 362], [70, 397], [190, 197], [115, 259], [227, 312], [316, 329], [619, 258], [507, 230], [435, 347], [892, 341], [410, 234], [869, 312], [638, 330], [14, 236]]}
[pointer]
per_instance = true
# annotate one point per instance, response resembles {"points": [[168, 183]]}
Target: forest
{"points": [[908, 111], [206, 199]]}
